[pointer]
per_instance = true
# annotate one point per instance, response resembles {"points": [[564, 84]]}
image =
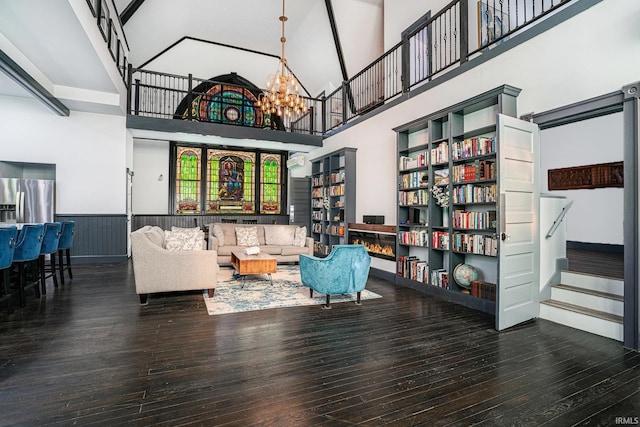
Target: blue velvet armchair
{"points": [[345, 270]]}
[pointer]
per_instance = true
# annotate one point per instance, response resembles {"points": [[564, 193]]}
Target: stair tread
{"points": [[603, 276], [590, 292], [583, 310]]}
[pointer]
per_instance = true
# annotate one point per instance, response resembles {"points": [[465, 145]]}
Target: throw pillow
{"points": [[279, 235], [184, 241], [218, 233], [300, 237], [247, 236]]}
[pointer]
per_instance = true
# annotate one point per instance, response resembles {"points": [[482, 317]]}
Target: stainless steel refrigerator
{"points": [[27, 200]]}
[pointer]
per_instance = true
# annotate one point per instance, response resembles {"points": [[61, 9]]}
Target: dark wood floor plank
{"points": [[88, 354]]}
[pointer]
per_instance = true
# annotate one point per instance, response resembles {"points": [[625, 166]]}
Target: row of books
{"points": [[410, 267], [321, 248], [479, 171], [441, 176], [337, 177], [472, 193], [319, 192], [473, 147], [337, 190], [336, 230], [316, 203], [474, 220], [419, 160], [333, 178], [319, 216], [317, 228], [414, 179], [440, 278], [484, 290], [440, 154], [414, 237], [475, 244], [414, 197], [440, 240]]}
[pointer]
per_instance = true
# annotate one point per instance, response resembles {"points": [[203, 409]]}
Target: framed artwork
{"points": [[492, 23]]}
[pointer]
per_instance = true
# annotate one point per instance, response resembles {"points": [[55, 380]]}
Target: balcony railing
{"points": [[171, 96], [456, 34], [112, 33]]}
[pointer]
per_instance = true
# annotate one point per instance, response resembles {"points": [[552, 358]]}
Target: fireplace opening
{"points": [[377, 244]]}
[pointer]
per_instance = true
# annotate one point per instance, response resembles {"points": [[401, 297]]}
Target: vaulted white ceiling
{"points": [[254, 25], [58, 43]]}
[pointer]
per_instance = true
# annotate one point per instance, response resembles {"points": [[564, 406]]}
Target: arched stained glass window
{"points": [[230, 181], [270, 183], [188, 178]]}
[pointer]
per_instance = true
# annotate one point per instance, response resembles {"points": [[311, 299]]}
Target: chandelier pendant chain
{"points": [[281, 96]]}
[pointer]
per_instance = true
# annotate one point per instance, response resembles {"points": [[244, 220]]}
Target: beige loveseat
{"points": [[276, 240], [157, 269]]}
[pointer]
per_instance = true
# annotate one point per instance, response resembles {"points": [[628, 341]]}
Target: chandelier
{"points": [[281, 96]]}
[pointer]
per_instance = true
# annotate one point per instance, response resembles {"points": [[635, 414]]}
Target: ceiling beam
{"points": [[20, 76], [336, 39], [128, 11]]}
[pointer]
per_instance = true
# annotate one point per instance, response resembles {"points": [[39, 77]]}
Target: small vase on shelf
{"points": [[445, 217]]}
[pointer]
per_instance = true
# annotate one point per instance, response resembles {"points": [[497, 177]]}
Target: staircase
{"points": [[588, 302]]}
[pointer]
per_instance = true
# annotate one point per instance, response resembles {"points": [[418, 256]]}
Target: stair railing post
{"points": [[137, 98], [323, 122], [464, 31], [190, 98], [405, 76]]}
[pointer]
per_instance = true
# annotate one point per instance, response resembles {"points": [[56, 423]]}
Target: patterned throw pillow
{"points": [[179, 240], [247, 236], [279, 235], [300, 238], [219, 234]]}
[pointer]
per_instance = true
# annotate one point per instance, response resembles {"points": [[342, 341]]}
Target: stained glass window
{"points": [[270, 183], [230, 181], [188, 178]]}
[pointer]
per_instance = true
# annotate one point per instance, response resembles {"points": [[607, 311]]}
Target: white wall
{"points": [[599, 63], [150, 191], [89, 151], [400, 14], [596, 215]]}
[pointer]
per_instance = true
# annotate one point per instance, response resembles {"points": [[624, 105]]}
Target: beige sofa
{"points": [[157, 269], [273, 239]]}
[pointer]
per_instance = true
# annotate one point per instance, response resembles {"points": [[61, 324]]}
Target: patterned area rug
{"points": [[256, 293]]}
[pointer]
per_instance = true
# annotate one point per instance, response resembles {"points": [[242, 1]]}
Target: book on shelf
{"points": [[484, 290], [473, 147], [441, 177], [440, 153], [440, 278], [474, 220]]}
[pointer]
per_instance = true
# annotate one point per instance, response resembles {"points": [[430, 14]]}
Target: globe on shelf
{"points": [[464, 274]]}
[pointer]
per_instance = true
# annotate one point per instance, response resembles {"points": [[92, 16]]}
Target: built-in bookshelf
{"points": [[449, 187], [333, 187]]}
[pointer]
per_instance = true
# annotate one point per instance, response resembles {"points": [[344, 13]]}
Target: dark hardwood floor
{"points": [[594, 262], [88, 354]]}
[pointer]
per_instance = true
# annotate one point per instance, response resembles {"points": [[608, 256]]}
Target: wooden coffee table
{"points": [[253, 264]]}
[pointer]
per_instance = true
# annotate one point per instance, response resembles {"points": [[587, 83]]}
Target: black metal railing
{"points": [[170, 96], [459, 32], [112, 33]]}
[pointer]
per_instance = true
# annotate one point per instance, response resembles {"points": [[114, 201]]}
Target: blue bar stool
{"points": [[7, 248], [27, 250], [64, 248], [49, 247]]}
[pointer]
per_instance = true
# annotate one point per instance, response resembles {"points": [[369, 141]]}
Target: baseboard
{"points": [[382, 274], [98, 259], [597, 247]]}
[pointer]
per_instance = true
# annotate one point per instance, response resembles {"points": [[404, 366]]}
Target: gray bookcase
{"points": [[468, 152], [333, 191]]}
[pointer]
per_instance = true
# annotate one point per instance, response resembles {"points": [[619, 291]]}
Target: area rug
{"points": [[234, 295]]}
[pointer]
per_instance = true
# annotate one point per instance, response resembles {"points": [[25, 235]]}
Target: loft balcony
{"points": [[437, 47]]}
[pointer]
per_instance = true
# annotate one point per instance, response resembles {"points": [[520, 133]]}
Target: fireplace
{"points": [[380, 240]]}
